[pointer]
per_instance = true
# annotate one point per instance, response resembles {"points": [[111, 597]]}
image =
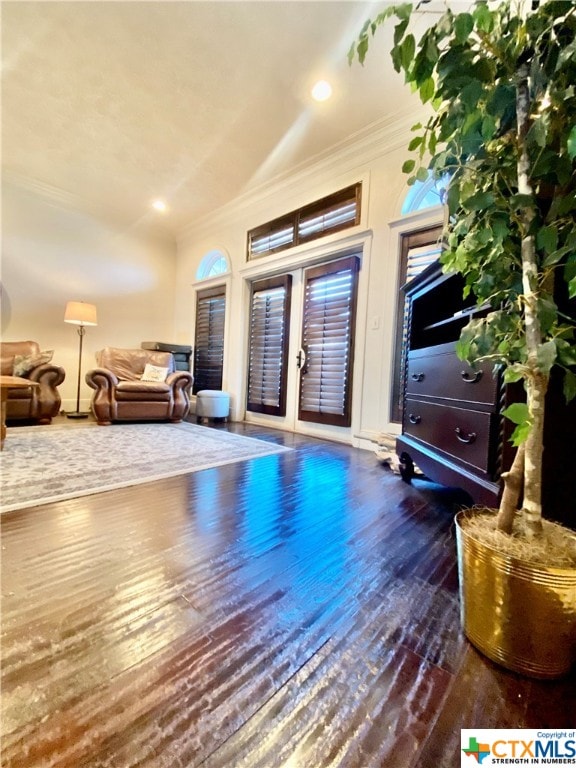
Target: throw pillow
{"points": [[23, 364], [154, 373]]}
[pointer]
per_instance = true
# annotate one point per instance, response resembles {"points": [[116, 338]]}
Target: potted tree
{"points": [[501, 83]]}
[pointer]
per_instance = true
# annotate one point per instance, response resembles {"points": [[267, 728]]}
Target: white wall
{"points": [[144, 286], [53, 254], [375, 159]]}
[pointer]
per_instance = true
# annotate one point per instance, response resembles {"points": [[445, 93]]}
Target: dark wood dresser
{"points": [[452, 423]]}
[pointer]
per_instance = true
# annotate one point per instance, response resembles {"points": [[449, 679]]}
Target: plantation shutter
{"points": [[328, 342], [330, 214], [272, 237], [339, 211], [418, 251], [268, 351], [209, 339]]}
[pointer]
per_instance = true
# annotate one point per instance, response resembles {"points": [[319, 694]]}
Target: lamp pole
{"points": [[77, 415], [79, 314]]}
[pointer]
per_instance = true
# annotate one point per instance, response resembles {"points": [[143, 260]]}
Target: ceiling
{"points": [[108, 106]]}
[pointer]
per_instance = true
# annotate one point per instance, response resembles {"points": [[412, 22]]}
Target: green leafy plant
{"points": [[500, 81]]}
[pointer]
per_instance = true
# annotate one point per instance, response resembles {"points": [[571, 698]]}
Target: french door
{"points": [[301, 348], [327, 345], [268, 346]]}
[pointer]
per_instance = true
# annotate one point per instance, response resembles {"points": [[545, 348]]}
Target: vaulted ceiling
{"points": [[109, 105]]}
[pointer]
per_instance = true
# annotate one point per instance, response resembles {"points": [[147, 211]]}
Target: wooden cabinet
{"points": [[452, 423]]}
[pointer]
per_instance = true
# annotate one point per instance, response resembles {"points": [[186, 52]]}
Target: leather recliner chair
{"points": [[34, 404], [122, 395]]}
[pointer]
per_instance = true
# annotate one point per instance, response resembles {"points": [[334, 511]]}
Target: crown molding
{"points": [[382, 137], [47, 192], [379, 138], [67, 201]]}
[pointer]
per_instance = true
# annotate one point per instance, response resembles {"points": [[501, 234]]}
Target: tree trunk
{"points": [[513, 481], [536, 380], [532, 506]]}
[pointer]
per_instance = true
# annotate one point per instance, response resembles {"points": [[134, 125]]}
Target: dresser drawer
{"points": [[464, 434], [442, 374]]}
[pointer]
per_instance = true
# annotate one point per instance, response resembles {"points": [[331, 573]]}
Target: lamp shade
{"points": [[80, 313]]}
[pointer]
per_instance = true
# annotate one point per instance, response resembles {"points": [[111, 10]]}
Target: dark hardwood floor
{"points": [[294, 611]]}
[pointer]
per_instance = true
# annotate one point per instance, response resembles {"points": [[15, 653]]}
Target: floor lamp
{"points": [[81, 314]]}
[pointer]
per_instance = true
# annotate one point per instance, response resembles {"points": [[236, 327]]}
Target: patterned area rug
{"points": [[44, 464]]}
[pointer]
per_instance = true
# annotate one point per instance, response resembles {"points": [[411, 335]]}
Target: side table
{"points": [[6, 384]]}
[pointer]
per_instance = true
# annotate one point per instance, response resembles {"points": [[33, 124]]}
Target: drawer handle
{"points": [[471, 379], [414, 419], [465, 438], [418, 377]]}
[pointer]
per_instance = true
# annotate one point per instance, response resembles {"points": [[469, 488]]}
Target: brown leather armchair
{"points": [[122, 395], [35, 404]]}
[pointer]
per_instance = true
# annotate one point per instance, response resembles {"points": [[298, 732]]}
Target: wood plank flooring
{"points": [[295, 611]]}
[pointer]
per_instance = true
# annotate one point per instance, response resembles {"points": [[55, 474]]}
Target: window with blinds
{"points": [[272, 237], [328, 342], [330, 214], [417, 251], [338, 211], [268, 345], [209, 339]]}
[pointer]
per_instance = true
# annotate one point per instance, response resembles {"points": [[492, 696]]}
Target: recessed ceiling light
{"points": [[322, 90], [159, 205]]}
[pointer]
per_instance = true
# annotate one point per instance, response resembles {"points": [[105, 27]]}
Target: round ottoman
{"points": [[212, 404]]}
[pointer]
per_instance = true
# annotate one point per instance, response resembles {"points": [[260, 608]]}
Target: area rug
{"points": [[45, 464]]}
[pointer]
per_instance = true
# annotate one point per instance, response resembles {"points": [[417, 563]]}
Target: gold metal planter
{"points": [[520, 615]]}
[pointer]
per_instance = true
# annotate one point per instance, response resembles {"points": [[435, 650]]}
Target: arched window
{"points": [[425, 194], [214, 263]]}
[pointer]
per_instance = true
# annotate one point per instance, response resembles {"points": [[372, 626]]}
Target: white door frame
{"points": [[295, 263]]}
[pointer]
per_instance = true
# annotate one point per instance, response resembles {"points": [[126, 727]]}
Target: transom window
{"points": [[330, 214]]}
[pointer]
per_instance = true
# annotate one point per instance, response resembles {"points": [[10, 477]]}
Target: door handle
{"points": [[301, 361]]}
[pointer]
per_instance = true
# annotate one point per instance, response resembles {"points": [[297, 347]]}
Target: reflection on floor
{"points": [[295, 611]]}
